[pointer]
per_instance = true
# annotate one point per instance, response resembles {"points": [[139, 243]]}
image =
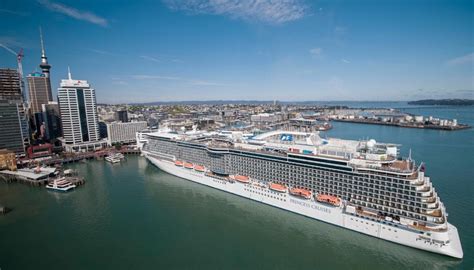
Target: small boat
{"points": [[306, 194], [188, 165], [199, 168], [61, 185], [278, 187], [178, 163], [242, 178], [112, 159], [329, 199]]}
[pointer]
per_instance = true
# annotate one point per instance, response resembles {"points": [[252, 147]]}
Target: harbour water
{"points": [[134, 216]]}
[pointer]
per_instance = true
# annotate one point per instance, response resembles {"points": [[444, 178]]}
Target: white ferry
{"points": [[61, 185], [114, 158]]}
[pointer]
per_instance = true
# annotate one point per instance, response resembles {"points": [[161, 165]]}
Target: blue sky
{"points": [[141, 51]]}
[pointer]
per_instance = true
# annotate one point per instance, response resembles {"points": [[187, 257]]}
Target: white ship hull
{"points": [[324, 212]]}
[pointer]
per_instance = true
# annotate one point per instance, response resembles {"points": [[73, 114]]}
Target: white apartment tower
{"points": [[78, 108], [119, 132]]}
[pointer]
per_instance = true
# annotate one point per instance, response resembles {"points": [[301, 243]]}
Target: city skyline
{"points": [[292, 51]]}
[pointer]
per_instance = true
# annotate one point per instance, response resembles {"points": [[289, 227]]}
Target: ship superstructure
{"points": [[360, 185]]}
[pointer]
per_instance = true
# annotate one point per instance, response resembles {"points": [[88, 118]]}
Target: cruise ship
{"points": [[362, 185]]}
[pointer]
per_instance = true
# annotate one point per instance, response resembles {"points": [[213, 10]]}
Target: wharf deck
{"points": [[404, 125]]}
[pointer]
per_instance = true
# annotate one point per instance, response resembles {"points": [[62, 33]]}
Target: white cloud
{"points": [[269, 11], [120, 82], [11, 42], [345, 61], [74, 13], [150, 58], [204, 83], [155, 77], [465, 59], [13, 12], [103, 52], [316, 52]]}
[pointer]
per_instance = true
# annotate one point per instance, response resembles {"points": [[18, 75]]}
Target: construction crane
{"points": [[19, 57]]}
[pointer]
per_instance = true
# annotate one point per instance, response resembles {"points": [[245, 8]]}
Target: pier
{"points": [[401, 124], [32, 177], [72, 158], [41, 177]]}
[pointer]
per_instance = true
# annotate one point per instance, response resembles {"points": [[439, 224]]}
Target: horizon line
{"points": [[267, 101]]}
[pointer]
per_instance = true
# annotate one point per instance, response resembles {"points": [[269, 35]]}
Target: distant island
{"points": [[454, 102]]}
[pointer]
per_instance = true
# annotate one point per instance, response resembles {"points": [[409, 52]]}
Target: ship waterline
{"points": [[437, 236], [320, 211]]}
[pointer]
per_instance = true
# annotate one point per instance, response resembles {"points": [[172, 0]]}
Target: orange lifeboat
{"points": [[188, 165], [278, 187], [332, 200], [199, 168], [178, 163], [242, 178], [301, 193]]}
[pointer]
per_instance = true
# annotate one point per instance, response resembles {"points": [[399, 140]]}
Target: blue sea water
{"points": [[134, 216]]}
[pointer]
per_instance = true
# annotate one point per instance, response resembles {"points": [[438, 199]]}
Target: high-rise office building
{"points": [[51, 121], [79, 119], [10, 85], [11, 93], [121, 116], [39, 87], [103, 130], [11, 133]]}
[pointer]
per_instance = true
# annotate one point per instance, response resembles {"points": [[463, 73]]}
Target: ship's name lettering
{"points": [[313, 206]]}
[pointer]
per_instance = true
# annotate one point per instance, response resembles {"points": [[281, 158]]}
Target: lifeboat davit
{"points": [[188, 165], [301, 193], [178, 163], [278, 187], [329, 199], [242, 178], [199, 168]]}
